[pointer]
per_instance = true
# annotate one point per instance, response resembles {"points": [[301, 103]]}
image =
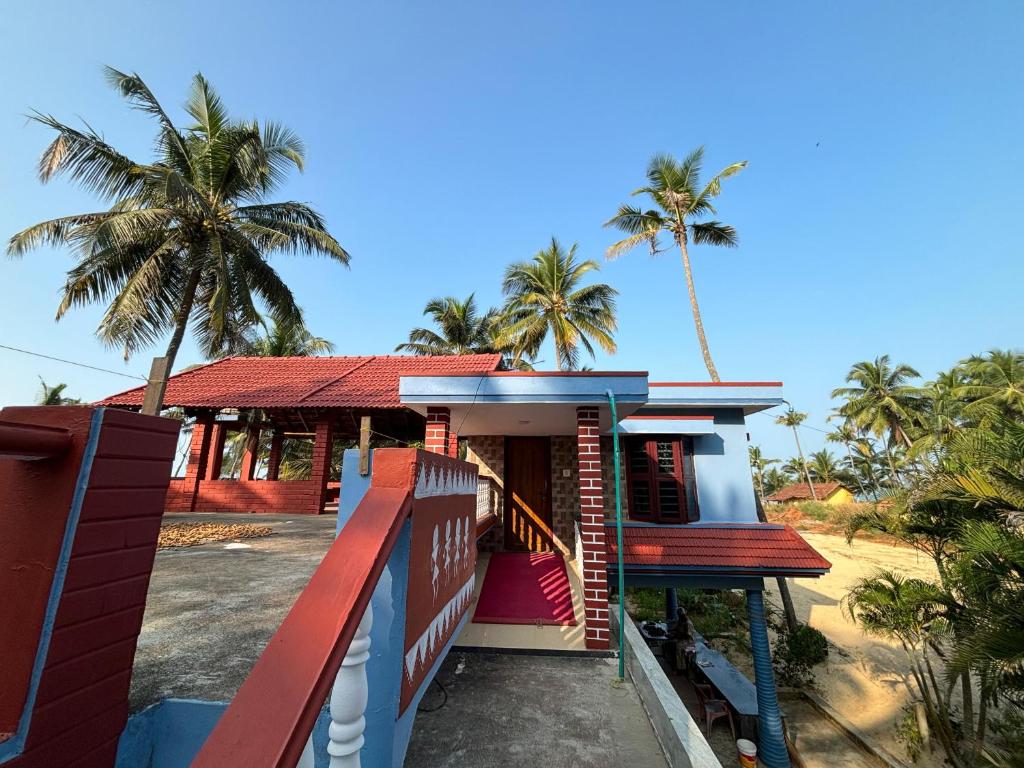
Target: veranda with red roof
{"points": [[322, 403]]}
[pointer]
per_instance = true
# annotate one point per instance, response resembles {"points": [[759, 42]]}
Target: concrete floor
{"points": [[211, 610], [505, 711]]}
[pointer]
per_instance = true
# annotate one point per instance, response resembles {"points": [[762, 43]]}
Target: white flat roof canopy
{"points": [[750, 396], [524, 403], [667, 425]]}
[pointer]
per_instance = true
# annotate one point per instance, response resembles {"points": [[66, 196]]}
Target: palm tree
{"points": [[993, 380], [187, 235], [846, 435], [793, 419], [679, 197], [284, 338], [824, 468], [794, 467], [461, 329], [774, 479], [909, 611], [881, 401], [55, 395], [545, 295], [759, 464]]}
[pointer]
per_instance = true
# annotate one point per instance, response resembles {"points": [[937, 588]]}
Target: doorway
{"points": [[528, 494]]}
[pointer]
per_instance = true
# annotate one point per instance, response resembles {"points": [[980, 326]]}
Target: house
{"points": [[543, 447], [827, 493]]}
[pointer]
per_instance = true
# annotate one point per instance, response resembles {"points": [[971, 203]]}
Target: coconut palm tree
{"points": [[758, 463], [774, 479], [846, 436], [680, 198], [793, 419], [187, 235], [881, 401], [993, 380], [824, 468], [461, 329], [546, 295], [284, 338], [55, 395]]}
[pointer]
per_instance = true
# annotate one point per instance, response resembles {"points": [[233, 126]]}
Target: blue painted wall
{"points": [[170, 734], [353, 485], [721, 463]]}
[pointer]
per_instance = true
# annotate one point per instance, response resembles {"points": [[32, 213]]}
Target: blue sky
{"points": [[446, 140]]}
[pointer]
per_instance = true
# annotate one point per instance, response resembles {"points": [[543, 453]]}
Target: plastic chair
{"points": [[713, 708]]}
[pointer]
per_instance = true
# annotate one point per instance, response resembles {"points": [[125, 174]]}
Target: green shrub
{"points": [[815, 509], [646, 603], [797, 652], [908, 734]]}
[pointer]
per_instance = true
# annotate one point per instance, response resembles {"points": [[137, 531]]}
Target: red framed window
{"points": [[659, 477]]}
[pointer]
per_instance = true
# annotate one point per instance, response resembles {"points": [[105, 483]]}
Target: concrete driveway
{"points": [[505, 711], [212, 608]]}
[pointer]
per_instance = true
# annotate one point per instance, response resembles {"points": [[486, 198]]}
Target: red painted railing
{"points": [[270, 719]]}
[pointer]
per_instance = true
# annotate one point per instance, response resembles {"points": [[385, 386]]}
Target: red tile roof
{"points": [[802, 492], [304, 382], [737, 549]]}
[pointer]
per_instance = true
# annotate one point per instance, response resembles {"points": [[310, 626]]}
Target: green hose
{"points": [[618, 534]]}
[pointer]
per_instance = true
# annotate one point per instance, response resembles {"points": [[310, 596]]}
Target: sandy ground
{"points": [[865, 678]]}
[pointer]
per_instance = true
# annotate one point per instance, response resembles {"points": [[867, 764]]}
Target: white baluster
{"points": [[306, 758], [348, 699]]}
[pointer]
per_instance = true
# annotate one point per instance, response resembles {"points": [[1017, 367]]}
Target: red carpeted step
{"points": [[525, 588]]}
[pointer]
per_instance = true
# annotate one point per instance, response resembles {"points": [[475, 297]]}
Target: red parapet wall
{"points": [[84, 527], [245, 496]]}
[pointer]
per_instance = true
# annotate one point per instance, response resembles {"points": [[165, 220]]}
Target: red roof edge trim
{"points": [[525, 374], [714, 383]]}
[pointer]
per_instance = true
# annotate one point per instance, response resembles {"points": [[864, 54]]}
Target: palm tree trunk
{"points": [[787, 599], [807, 474], [896, 479], [180, 324], [701, 338], [968, 716], [853, 468]]}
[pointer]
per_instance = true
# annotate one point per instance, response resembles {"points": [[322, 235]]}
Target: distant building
{"points": [[828, 493]]}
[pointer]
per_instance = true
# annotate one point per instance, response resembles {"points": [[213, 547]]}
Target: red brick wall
{"points": [[81, 704], [595, 577], [438, 429], [300, 497]]}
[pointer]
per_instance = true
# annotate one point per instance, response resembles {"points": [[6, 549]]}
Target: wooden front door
{"points": [[528, 494]]}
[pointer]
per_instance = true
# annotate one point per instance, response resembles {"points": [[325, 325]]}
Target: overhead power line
{"points": [[72, 362]]}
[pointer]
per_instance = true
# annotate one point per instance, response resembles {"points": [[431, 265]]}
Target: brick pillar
{"points": [[251, 454], [198, 460], [453, 445], [595, 574], [213, 463], [274, 459], [321, 463], [438, 429]]}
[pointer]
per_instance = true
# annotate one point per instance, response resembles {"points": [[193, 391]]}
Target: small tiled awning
{"points": [[755, 549]]}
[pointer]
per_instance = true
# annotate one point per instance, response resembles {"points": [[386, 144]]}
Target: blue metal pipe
{"points": [[772, 749]]}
